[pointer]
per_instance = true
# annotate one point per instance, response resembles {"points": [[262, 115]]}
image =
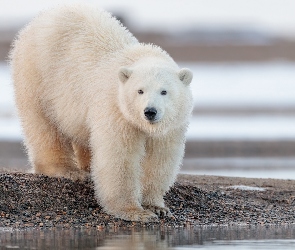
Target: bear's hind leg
{"points": [[49, 152]]}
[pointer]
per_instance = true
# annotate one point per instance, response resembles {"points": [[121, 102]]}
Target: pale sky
{"points": [[275, 16]]}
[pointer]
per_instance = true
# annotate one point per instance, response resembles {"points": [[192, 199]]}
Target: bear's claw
{"points": [[160, 211]]}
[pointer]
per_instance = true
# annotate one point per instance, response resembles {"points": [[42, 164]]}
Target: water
{"points": [[258, 127], [209, 237], [269, 84], [250, 167]]}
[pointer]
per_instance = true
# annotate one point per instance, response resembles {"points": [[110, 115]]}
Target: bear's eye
{"points": [[164, 92], [140, 92]]}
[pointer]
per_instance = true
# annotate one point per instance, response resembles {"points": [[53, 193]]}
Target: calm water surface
{"points": [[214, 237]]}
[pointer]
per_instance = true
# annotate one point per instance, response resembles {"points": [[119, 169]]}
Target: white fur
{"points": [[77, 72]]}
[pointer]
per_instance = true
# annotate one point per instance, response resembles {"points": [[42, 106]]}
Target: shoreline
{"points": [[13, 155], [38, 201]]}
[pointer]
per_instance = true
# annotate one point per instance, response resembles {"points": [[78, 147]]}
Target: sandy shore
{"points": [[28, 200]]}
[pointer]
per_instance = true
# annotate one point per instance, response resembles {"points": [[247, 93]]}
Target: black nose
{"points": [[150, 113]]}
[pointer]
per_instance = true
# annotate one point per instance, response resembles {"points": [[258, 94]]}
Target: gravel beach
{"points": [[29, 201]]}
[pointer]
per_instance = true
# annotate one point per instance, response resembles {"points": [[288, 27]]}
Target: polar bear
{"points": [[90, 97]]}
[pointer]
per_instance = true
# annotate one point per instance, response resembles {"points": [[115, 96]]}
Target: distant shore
{"points": [[37, 201], [13, 156], [191, 51]]}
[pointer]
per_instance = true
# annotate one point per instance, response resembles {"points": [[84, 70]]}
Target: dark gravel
{"points": [[28, 200]]}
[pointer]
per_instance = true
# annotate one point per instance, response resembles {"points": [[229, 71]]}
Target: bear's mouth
{"points": [[153, 121]]}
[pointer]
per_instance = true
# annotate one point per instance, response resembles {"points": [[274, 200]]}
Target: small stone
{"points": [[57, 218], [100, 227]]}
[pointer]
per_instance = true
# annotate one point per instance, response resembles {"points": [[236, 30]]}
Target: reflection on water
{"points": [[251, 244], [214, 237]]}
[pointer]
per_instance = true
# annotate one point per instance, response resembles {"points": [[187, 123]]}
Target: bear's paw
{"points": [[137, 214], [160, 211]]}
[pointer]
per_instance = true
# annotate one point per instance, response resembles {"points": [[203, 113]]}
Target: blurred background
{"points": [[242, 54]]}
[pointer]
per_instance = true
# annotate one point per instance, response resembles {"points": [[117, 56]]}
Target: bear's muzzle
{"points": [[150, 113]]}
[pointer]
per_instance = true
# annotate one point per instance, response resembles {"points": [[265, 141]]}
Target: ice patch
{"points": [[247, 188]]}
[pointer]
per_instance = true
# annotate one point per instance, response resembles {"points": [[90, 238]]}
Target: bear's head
{"points": [[155, 95]]}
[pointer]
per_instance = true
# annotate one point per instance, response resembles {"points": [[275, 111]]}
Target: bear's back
{"points": [[94, 26], [76, 32]]}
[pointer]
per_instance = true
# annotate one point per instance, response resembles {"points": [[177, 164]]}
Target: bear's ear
{"points": [[124, 74], [185, 75]]}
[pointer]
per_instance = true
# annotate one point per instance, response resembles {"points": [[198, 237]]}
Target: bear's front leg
{"points": [[161, 164], [116, 171]]}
